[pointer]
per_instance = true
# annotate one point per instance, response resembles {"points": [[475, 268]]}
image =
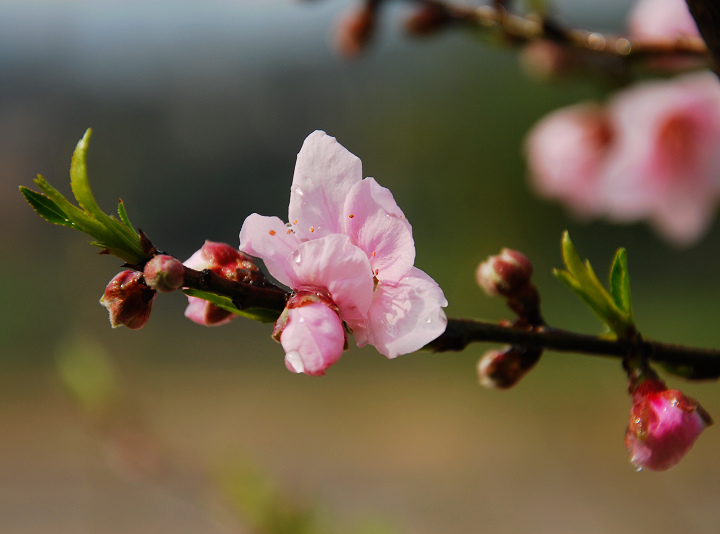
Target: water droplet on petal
{"points": [[638, 468], [293, 362], [429, 320], [297, 257]]}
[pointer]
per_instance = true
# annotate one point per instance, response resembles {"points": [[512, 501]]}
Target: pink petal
{"points": [[204, 313], [662, 19], [376, 225], [267, 238], [405, 317], [324, 174], [333, 264], [313, 339], [566, 152]]}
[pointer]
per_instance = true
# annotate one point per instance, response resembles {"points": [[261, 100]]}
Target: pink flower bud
{"points": [[311, 333], [229, 263], [164, 273], [128, 300], [664, 425], [503, 368], [505, 273]]}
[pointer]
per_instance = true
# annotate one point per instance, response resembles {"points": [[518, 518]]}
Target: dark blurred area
{"points": [[198, 111]]}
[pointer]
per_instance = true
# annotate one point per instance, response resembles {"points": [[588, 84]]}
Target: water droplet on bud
{"points": [[293, 362]]}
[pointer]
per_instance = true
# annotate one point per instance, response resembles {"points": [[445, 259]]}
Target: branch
{"points": [[690, 362]]}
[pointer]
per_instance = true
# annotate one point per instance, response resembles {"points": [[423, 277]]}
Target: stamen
{"points": [[351, 215], [374, 253], [312, 228], [295, 221], [271, 232], [288, 231], [377, 272]]}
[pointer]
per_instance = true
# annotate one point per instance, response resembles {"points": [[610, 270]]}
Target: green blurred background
{"points": [[198, 111]]}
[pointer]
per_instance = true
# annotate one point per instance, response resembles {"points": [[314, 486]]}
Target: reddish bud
{"points": [[128, 300], [504, 274], [664, 425], [226, 261], [427, 19], [503, 368], [164, 273], [355, 31]]}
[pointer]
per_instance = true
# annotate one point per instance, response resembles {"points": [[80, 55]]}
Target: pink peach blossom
{"points": [[566, 153], [348, 240], [664, 425], [662, 19], [652, 154]]}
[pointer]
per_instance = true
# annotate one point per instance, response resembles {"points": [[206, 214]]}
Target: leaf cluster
{"points": [[114, 236]]}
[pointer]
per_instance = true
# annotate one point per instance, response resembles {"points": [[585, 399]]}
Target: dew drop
{"points": [[293, 362], [297, 257], [638, 468], [429, 320]]}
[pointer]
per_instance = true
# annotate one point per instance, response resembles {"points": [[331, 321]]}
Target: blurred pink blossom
{"points": [[662, 19], [650, 154], [664, 425], [349, 241]]}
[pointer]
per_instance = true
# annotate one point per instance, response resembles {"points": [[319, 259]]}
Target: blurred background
{"points": [[198, 110]]}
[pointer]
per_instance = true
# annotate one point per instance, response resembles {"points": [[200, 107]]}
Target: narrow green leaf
{"points": [[581, 278], [45, 207], [620, 282], [124, 216], [256, 314]]}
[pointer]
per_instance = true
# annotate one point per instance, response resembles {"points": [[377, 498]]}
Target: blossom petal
{"points": [[313, 339], [204, 313], [269, 239], [324, 174], [335, 265], [405, 317], [376, 224]]}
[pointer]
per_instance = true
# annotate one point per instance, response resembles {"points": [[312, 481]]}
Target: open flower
{"points": [[664, 425], [348, 241], [650, 154]]}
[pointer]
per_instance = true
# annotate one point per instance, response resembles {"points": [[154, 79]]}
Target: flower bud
{"points": [[504, 274], [311, 333], [664, 425], [226, 261], [128, 300], [164, 273], [427, 19], [355, 31], [503, 368]]}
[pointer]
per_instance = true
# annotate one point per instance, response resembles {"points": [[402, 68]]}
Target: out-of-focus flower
{"points": [[664, 425], [662, 19], [348, 241], [164, 273], [651, 154], [128, 300], [221, 259]]}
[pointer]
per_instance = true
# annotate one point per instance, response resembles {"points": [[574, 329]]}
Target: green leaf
{"points": [[581, 278], [45, 207], [124, 216], [620, 282], [256, 314]]}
